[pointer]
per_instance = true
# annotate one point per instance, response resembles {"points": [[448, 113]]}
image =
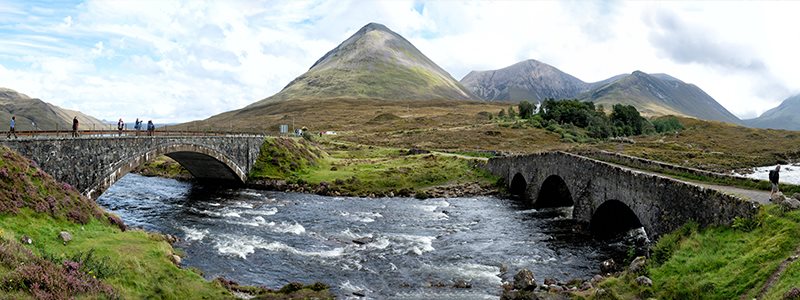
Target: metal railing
{"points": [[123, 133]]}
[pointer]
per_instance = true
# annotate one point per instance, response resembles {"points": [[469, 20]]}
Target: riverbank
{"points": [[57, 244]]}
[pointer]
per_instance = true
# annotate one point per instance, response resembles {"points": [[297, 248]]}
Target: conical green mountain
{"points": [[374, 63], [29, 111]]}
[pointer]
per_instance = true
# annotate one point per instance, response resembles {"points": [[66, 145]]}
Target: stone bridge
{"points": [[613, 199], [93, 164]]}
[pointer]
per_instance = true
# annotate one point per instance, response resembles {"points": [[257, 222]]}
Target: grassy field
{"points": [[353, 169]]}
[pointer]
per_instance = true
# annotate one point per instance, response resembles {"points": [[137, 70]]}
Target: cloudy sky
{"points": [[175, 61]]}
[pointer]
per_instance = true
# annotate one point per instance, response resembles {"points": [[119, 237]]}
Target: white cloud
{"points": [[181, 60]]}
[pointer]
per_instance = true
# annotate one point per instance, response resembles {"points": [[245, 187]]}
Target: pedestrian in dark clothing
{"points": [[150, 128], [120, 126], [137, 125], [13, 129], [773, 178], [75, 126]]}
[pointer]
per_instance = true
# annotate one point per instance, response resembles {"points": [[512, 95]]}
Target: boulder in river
{"points": [[363, 240], [524, 280], [608, 266]]}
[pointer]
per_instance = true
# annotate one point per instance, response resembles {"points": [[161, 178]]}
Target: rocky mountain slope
{"points": [[374, 63], [660, 94], [526, 80], [46, 116], [784, 116]]}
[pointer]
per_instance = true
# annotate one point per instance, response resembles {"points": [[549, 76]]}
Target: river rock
{"points": [[796, 196], [586, 286], [555, 289], [462, 284], [637, 265], [608, 266], [777, 198], [644, 281], [363, 240], [596, 279], [550, 281], [790, 204], [65, 236], [360, 293], [26, 240], [175, 259], [524, 280]]}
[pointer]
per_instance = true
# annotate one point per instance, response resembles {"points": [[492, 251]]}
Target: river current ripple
{"points": [[408, 248]]}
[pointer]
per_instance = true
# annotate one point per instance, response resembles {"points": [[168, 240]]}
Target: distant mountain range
{"points": [[784, 116], [656, 94], [29, 111], [374, 63]]}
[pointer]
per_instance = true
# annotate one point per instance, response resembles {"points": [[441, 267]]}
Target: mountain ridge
{"points": [[29, 111], [784, 116], [376, 63]]}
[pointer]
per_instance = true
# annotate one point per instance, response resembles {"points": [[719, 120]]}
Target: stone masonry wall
{"points": [[662, 204], [92, 164]]}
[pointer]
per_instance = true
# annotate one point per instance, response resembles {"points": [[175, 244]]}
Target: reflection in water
{"points": [[385, 247]]}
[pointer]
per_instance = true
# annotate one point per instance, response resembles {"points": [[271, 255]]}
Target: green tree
{"points": [[525, 109], [667, 124], [628, 121], [501, 114]]}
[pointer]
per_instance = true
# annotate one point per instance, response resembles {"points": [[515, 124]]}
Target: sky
{"points": [[176, 61]]}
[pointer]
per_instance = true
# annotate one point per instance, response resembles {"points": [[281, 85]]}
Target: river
{"points": [[407, 248]]}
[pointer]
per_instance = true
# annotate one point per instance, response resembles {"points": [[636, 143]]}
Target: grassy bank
{"points": [[163, 166], [352, 169], [718, 263]]}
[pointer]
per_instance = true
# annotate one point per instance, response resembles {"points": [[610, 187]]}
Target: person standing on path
{"points": [[773, 178], [150, 128], [12, 130], [75, 126]]}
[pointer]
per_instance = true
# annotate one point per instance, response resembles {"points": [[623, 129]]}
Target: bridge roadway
{"points": [[95, 160], [611, 198]]}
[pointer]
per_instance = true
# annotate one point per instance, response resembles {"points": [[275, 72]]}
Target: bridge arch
{"points": [[612, 218], [554, 192], [518, 186], [204, 163]]}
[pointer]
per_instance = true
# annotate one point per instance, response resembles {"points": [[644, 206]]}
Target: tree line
{"points": [[575, 119]]}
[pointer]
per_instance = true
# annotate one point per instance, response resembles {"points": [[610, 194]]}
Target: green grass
{"points": [[720, 262], [363, 170], [163, 166], [140, 261]]}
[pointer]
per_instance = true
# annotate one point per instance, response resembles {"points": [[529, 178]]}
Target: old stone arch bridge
{"points": [[93, 164], [613, 199]]}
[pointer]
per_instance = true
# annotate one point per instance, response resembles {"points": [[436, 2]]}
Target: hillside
{"points": [[660, 94], [46, 116], [374, 63], [525, 80], [784, 116]]}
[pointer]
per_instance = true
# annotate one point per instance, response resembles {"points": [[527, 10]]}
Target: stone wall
{"points": [[662, 204], [92, 164]]}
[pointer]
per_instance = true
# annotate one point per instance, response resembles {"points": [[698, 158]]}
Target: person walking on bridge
{"points": [[120, 126], [12, 129], [137, 125], [774, 176], [75, 126]]}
